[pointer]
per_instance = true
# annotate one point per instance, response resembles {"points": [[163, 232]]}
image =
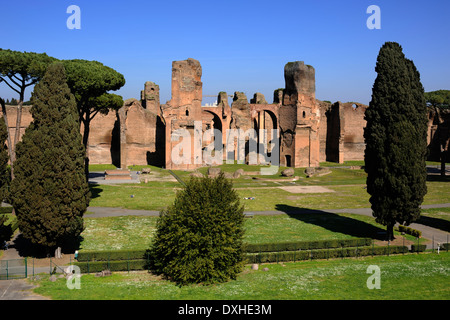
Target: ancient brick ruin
{"points": [[310, 131]]}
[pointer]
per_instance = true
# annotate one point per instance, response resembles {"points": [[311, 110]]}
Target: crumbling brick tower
{"points": [[299, 117], [183, 109]]}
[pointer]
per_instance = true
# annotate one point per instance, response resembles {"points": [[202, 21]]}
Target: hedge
{"points": [[264, 257], [410, 231], [418, 247], [112, 255], [306, 245], [121, 265], [286, 256]]}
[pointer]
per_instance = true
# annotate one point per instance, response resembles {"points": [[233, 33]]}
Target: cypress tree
{"points": [[5, 230], [199, 238], [395, 136], [50, 193], [4, 157]]}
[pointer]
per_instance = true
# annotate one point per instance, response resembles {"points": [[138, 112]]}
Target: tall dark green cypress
{"points": [[4, 157], [395, 136], [50, 192], [199, 239], [5, 230]]}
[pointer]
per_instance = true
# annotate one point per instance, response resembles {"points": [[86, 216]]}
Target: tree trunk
{"points": [[442, 160], [86, 124], [18, 122], [390, 232]]}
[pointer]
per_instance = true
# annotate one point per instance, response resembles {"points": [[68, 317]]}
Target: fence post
{"points": [[7, 273], [26, 268]]}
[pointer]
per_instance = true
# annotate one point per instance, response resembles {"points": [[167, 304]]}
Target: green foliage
{"points": [[5, 230], [306, 245], [438, 98], [199, 238], [22, 69], [395, 136], [117, 265], [410, 231], [111, 255], [286, 256], [5, 177], [49, 192], [418, 247], [90, 81]]}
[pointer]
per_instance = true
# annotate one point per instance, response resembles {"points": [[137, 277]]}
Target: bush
{"points": [[418, 247], [410, 231], [199, 238]]}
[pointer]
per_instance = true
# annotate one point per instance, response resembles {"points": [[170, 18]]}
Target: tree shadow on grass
{"points": [[95, 189], [25, 248], [436, 223], [334, 222]]}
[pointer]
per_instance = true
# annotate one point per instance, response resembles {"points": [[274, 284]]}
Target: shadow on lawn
{"points": [[436, 223], [95, 189], [334, 222], [25, 248]]}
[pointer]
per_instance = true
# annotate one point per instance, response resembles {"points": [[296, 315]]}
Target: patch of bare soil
{"points": [[398, 241]]}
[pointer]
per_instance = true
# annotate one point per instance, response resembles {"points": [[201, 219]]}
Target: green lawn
{"points": [[136, 232], [347, 186], [411, 276]]}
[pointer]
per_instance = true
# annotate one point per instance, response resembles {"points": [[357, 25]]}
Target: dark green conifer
{"points": [[395, 136], [5, 230], [50, 193], [5, 178], [199, 238]]}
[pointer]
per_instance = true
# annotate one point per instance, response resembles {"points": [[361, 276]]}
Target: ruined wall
{"points": [[352, 114], [183, 109], [137, 133], [438, 134], [300, 144], [103, 140], [342, 131], [11, 113], [311, 131]]}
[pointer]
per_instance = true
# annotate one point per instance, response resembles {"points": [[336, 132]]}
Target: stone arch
{"points": [[212, 120], [265, 119]]}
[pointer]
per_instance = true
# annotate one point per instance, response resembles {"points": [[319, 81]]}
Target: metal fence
{"points": [[13, 269]]}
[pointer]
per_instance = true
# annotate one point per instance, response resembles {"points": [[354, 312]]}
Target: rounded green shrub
{"points": [[199, 239]]}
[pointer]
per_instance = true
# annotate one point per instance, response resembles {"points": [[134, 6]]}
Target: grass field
{"points": [[410, 276], [136, 232], [347, 191]]}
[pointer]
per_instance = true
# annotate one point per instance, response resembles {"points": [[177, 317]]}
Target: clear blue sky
{"points": [[241, 45]]}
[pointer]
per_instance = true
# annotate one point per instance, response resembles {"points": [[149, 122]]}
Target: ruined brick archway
{"points": [[211, 120]]}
